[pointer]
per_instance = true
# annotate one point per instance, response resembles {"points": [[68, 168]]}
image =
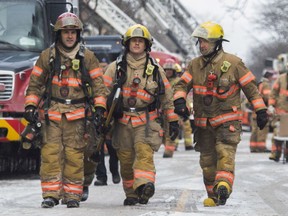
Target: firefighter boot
{"points": [[145, 192], [49, 202], [85, 193], [273, 156], [210, 202], [116, 178], [167, 155], [189, 148], [73, 203], [130, 201], [223, 191], [100, 182]]}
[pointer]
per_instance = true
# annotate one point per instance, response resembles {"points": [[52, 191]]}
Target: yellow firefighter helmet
{"points": [[178, 68], [209, 31], [137, 30]]}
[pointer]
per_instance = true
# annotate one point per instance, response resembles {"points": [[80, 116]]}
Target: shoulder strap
{"points": [[121, 67]]}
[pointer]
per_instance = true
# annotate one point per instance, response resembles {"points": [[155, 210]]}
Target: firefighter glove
{"points": [[30, 114], [271, 110], [262, 118], [181, 108], [173, 130], [99, 119]]}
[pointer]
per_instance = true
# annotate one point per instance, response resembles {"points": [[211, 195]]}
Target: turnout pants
{"points": [[135, 149], [217, 148], [62, 153]]}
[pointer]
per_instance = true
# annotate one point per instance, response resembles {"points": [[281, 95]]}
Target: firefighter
{"points": [[169, 67], [101, 171], [278, 105], [186, 125], [93, 162], [217, 78], [258, 137], [137, 134], [65, 72]]}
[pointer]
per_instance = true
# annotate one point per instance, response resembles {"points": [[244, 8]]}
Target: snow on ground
{"points": [[260, 189]]}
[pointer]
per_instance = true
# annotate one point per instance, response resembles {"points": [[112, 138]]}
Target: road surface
{"points": [[260, 188]]}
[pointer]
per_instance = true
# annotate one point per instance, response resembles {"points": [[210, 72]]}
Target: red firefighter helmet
{"points": [[68, 20]]}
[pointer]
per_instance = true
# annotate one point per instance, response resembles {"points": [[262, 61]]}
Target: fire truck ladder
{"points": [[183, 16], [161, 12], [117, 19]]}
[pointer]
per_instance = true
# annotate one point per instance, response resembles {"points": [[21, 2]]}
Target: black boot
{"points": [[145, 192], [130, 201], [85, 193], [116, 178], [189, 148], [73, 204], [49, 202], [100, 182]]}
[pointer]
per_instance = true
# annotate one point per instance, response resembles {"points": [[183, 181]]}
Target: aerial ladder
{"points": [[117, 19], [183, 16], [161, 12]]}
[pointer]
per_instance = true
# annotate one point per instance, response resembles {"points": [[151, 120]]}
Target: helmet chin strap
{"points": [[210, 56]]}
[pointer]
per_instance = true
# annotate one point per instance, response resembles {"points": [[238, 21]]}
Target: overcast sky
{"points": [[237, 24]]}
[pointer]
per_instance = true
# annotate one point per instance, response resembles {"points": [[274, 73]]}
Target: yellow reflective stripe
{"points": [[180, 94], [232, 116], [107, 80], [248, 77], [32, 100], [37, 71], [258, 103], [186, 76], [73, 82], [97, 72]]}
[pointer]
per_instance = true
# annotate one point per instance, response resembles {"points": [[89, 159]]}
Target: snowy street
{"points": [[260, 188]]}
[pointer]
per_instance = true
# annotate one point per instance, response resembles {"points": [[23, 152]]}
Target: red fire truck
{"points": [[25, 30]]}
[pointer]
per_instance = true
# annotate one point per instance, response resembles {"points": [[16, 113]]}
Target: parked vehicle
{"points": [[25, 30]]}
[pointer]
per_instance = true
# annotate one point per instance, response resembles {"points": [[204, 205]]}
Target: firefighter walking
{"points": [[258, 137], [64, 73], [278, 105], [217, 78], [137, 134], [169, 67]]}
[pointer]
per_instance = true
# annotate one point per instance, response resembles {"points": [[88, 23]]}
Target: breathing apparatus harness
{"points": [[212, 77], [121, 76], [77, 64]]}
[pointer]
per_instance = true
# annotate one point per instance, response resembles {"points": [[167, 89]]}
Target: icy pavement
{"points": [[260, 189]]}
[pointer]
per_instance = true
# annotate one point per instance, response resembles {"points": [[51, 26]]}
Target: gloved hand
{"points": [[173, 130], [262, 118], [181, 108], [99, 119], [271, 110], [29, 113]]}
